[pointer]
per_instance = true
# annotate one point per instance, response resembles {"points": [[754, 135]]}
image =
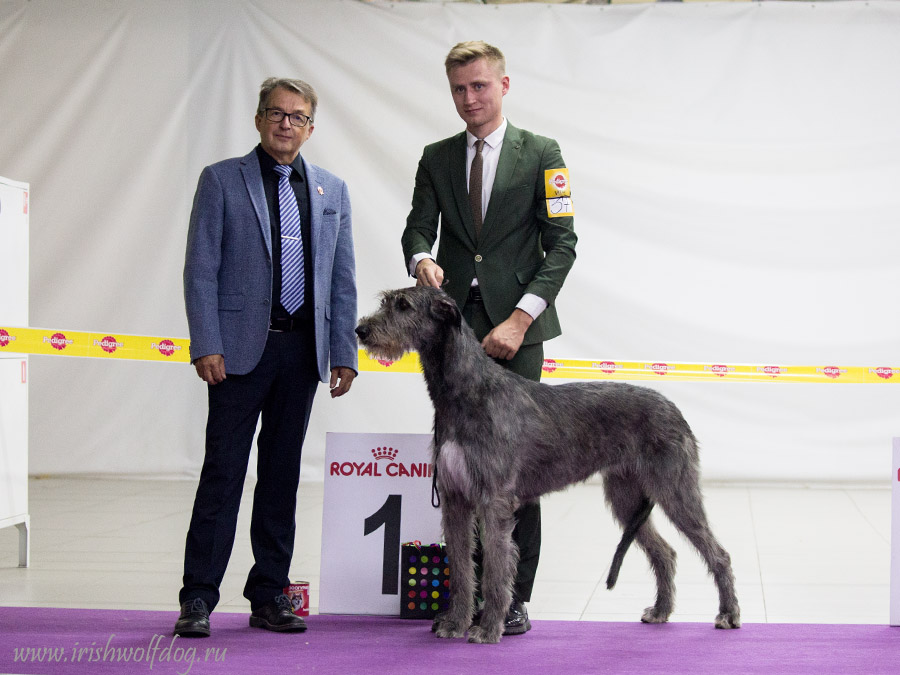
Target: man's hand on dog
{"points": [[429, 273]]}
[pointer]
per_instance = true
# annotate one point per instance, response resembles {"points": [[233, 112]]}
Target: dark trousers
{"points": [[280, 388], [527, 362]]}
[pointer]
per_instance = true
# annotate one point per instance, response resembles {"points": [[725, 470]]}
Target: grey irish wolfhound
{"points": [[501, 440]]}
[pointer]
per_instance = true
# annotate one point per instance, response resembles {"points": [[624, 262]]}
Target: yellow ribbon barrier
{"points": [[175, 350], [95, 345]]}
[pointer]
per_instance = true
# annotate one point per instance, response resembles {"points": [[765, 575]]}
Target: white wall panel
{"points": [[734, 166]]}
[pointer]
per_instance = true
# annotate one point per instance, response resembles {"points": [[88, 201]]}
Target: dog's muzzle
{"points": [[362, 332]]}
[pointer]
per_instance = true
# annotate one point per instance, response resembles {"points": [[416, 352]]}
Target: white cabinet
{"points": [[14, 449], [14, 197]]}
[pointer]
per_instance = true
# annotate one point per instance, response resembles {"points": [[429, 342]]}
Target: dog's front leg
{"points": [[458, 523], [499, 558]]}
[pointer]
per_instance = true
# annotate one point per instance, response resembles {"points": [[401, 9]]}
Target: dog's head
{"points": [[406, 320]]}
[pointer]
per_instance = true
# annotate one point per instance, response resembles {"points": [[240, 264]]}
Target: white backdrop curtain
{"points": [[735, 170]]}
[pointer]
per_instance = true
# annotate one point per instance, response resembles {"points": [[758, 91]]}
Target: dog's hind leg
{"points": [[458, 523], [499, 558], [626, 500], [684, 507]]}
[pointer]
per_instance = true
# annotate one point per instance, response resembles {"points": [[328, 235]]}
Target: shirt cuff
{"points": [[416, 259], [532, 304]]}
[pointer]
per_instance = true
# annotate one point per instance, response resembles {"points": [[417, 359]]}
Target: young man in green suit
{"points": [[507, 242]]}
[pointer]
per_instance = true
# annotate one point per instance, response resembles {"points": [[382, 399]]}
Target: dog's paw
{"points": [[729, 620], [448, 630], [654, 615], [437, 621], [479, 635], [444, 627]]}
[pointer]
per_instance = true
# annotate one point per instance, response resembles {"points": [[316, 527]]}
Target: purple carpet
{"points": [[57, 641]]}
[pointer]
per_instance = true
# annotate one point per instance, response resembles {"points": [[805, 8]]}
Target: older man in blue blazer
{"points": [[270, 293]]}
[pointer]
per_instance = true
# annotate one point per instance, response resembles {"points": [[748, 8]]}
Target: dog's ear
{"points": [[444, 309]]}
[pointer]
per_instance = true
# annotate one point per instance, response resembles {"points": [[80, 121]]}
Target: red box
{"points": [[298, 592]]}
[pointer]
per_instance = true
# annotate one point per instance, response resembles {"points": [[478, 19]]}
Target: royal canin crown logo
{"points": [[5, 338], [108, 344], [385, 453], [165, 347], [372, 469], [58, 341], [832, 372], [608, 367], [884, 372], [550, 365]]}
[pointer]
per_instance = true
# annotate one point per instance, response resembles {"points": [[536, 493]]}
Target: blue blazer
{"points": [[228, 267]]}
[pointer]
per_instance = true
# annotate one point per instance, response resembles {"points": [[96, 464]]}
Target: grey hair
{"points": [[297, 86]]}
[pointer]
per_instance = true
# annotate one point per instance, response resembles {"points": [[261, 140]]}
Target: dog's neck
{"points": [[456, 365]]}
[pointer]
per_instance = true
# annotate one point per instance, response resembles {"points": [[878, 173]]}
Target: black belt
{"points": [[475, 295], [285, 325]]}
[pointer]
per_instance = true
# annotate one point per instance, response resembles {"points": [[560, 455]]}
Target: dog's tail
{"points": [[639, 518]]}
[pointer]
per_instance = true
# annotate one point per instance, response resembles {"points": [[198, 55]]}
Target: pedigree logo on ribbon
{"points": [[6, 339], [884, 373], [167, 349], [107, 344], [58, 341], [65, 343]]}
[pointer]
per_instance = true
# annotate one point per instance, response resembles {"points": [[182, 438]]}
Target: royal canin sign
{"points": [[384, 464]]}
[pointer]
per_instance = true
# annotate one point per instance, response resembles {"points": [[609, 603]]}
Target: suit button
{"points": [[478, 258], [265, 302]]}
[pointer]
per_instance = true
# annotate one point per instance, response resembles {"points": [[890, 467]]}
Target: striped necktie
{"points": [[293, 281]]}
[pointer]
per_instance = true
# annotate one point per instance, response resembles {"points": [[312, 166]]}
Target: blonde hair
{"points": [[466, 52]]}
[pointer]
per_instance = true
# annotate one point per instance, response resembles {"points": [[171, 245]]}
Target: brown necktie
{"points": [[475, 186]]}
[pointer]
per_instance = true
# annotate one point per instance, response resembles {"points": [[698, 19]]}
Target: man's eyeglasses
{"points": [[296, 119]]}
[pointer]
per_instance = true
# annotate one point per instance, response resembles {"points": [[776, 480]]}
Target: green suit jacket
{"points": [[521, 250]]}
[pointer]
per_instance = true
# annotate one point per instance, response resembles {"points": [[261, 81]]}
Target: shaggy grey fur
{"points": [[500, 440]]}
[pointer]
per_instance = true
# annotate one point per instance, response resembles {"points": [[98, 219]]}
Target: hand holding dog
{"points": [[429, 273]]}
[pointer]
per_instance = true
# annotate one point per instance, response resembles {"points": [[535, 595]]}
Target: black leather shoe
{"points": [[278, 615], [194, 619], [516, 621]]}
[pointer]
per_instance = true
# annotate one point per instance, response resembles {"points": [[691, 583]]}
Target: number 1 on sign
{"points": [[389, 516]]}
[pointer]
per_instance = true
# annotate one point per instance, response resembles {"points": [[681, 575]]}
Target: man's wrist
{"points": [[521, 319], [415, 260]]}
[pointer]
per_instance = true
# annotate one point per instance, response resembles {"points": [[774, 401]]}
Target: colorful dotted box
{"points": [[424, 580]]}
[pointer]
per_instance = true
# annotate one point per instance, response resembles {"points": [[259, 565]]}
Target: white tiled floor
{"points": [[809, 554]]}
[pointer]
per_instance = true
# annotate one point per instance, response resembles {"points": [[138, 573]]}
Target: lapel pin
{"points": [[320, 190]]}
